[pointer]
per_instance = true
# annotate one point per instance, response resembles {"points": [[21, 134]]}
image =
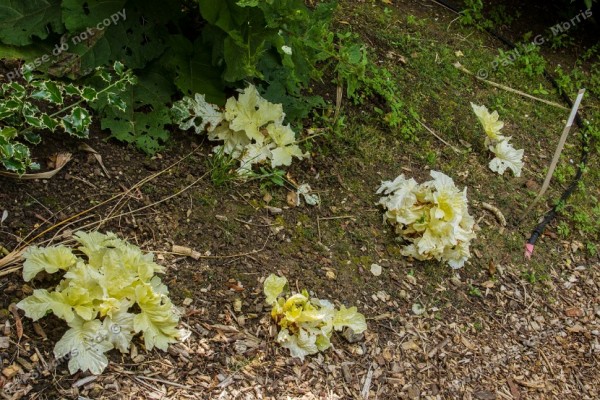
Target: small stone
{"points": [[274, 210], [382, 295], [139, 358], [10, 371], [485, 395], [222, 218], [187, 301], [352, 337], [532, 185], [577, 328], [413, 392], [237, 305], [25, 364], [376, 269], [573, 312], [4, 342], [346, 372], [410, 345], [418, 309], [240, 347]]}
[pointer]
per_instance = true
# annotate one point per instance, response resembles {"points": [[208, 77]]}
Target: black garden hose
{"points": [[585, 144]]}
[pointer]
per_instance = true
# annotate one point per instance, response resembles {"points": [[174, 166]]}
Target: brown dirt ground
{"points": [[487, 332]]}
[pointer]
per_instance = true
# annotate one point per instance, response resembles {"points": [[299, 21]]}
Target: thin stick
{"points": [[249, 253], [14, 256], [557, 152], [509, 89], [155, 203], [165, 382], [25, 242], [119, 206], [438, 137], [319, 228], [340, 217]]}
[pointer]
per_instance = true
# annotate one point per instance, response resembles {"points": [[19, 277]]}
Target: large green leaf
{"points": [[144, 129], [27, 53], [246, 39], [135, 41], [143, 122], [194, 72], [225, 14], [79, 15], [20, 20]]}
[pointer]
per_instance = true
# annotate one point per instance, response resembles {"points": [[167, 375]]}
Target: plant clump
{"points": [[432, 217], [107, 295], [306, 323], [250, 128], [506, 155]]}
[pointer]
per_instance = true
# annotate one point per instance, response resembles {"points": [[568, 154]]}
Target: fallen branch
{"points": [[438, 137], [508, 89], [186, 251], [496, 211], [557, 152]]}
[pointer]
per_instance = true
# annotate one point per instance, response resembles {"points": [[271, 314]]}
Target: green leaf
{"points": [[48, 90], [194, 72], [20, 21], [28, 53], [15, 156], [248, 3], [89, 93], [15, 87], [225, 14], [130, 41], [145, 130], [49, 122], [79, 15], [78, 122], [73, 90], [32, 137], [119, 68], [8, 132], [32, 115], [115, 100]]}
